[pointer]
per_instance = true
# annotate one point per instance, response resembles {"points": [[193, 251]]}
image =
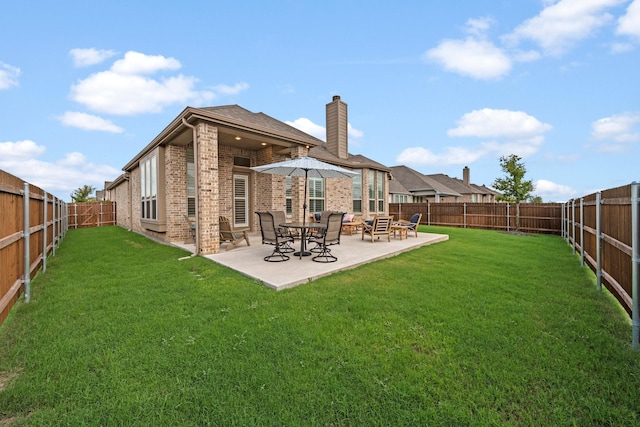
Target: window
{"points": [[316, 195], [380, 183], [372, 191], [287, 192], [400, 198], [376, 191], [191, 184], [357, 191], [240, 200], [149, 187], [152, 191]]}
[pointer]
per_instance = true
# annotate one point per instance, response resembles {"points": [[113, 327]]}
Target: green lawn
{"points": [[487, 328]]}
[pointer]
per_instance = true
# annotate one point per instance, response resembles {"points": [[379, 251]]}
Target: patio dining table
{"points": [[303, 227]]}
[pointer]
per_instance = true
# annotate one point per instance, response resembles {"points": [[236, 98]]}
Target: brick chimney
{"points": [[337, 128], [465, 175]]}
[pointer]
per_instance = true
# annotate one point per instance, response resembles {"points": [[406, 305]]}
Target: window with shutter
{"points": [[240, 201]]}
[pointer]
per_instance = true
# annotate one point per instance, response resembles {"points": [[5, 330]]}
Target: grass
{"points": [[484, 329]]}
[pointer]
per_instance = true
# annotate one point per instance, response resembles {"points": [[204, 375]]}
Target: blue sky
{"points": [[436, 86]]}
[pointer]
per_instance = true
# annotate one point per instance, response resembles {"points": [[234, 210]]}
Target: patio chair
{"points": [[412, 224], [279, 217], [319, 232], [381, 226], [192, 227], [271, 237], [228, 234], [330, 237]]}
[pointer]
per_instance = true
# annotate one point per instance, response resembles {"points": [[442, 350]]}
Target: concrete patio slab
{"points": [[352, 252]]}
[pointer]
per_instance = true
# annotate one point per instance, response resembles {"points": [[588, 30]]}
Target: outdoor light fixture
{"points": [[263, 143], [238, 138]]}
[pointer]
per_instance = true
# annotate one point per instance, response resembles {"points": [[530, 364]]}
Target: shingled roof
{"points": [[237, 113], [417, 182]]}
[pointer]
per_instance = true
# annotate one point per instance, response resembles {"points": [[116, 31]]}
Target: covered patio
{"points": [[352, 252]]}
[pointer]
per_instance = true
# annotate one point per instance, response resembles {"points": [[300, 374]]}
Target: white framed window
{"points": [[240, 200], [287, 192], [372, 190], [380, 185], [316, 195], [356, 186], [152, 190], [149, 188], [400, 198]]}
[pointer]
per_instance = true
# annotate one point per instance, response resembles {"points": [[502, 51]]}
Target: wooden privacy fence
{"points": [[32, 223], [605, 228], [91, 214], [533, 217]]}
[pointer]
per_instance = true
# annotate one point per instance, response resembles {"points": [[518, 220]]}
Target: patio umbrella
{"points": [[307, 167]]}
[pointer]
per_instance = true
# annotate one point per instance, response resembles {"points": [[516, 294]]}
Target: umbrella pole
{"points": [[303, 245]]}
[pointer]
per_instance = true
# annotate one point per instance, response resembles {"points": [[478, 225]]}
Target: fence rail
{"points": [[91, 214], [32, 223], [604, 228], [532, 217]]}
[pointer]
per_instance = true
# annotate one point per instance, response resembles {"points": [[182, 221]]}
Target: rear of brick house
{"points": [[198, 167]]}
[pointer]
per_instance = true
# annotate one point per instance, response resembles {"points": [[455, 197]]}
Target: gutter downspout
{"points": [[197, 183], [127, 178]]}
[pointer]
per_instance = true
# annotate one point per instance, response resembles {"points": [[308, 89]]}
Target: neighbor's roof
{"points": [[454, 183], [414, 181]]}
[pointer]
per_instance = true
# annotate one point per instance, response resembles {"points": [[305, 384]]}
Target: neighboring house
{"points": [[198, 168], [411, 186]]}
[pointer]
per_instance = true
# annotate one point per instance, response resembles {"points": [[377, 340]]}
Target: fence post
{"points": [[562, 221], [582, 232], [54, 225], [635, 314], [573, 224], [27, 249], [428, 213], [464, 215], [44, 237], [508, 218], [598, 241]]}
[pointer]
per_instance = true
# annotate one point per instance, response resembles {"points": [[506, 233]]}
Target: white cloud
{"points": [[8, 76], [231, 90], [353, 132], [620, 128], [492, 123], [20, 150], [88, 122], [550, 191], [86, 57], [126, 89], [629, 24], [559, 26], [479, 26], [472, 57], [450, 156], [60, 177], [320, 132], [135, 63], [621, 47], [509, 132], [307, 126]]}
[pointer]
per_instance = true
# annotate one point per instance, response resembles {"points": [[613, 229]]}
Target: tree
{"points": [[83, 194], [513, 186]]}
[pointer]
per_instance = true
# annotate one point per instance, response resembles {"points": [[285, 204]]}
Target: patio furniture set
{"points": [[325, 230]]}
